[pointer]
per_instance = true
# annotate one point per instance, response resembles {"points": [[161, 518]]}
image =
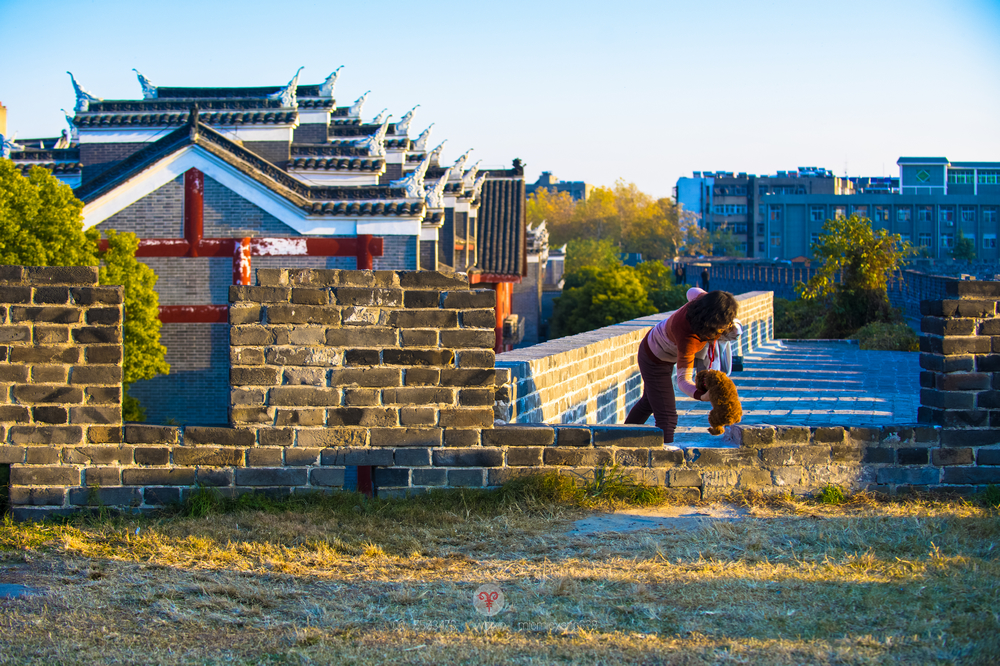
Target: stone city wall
{"points": [[334, 371], [593, 377]]}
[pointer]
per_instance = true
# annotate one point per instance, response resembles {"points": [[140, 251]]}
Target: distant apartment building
{"points": [[936, 203], [579, 190], [931, 203], [727, 201]]}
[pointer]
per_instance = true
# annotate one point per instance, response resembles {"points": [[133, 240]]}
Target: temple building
{"points": [[218, 182]]}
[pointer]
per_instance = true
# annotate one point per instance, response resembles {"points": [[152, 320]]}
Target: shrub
{"points": [[798, 319], [880, 336], [831, 494]]}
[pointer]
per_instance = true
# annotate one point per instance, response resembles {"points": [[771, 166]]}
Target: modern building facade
{"points": [[931, 204], [577, 189]]}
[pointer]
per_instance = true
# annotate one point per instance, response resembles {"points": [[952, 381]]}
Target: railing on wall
{"points": [[593, 377]]}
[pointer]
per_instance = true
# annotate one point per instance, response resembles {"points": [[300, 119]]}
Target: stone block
{"points": [[753, 478], [73, 275], [246, 415], [478, 319], [161, 496], [221, 436], [469, 299], [421, 299], [913, 455], [298, 417], [466, 478], [298, 456], [97, 295], [51, 315], [468, 338], [368, 417], [831, 435], [122, 496], [50, 335], [951, 456], [104, 434], [476, 397], [151, 455], [391, 477], [574, 436], [14, 294], [792, 434], [417, 337], [781, 456], [332, 437], [418, 357], [632, 457], [368, 377], [963, 381], [519, 435], [44, 354], [303, 396], [429, 437], [276, 436], [333, 477], [879, 456], [423, 319], [44, 476], [961, 438], [104, 316], [846, 453], [418, 395], [209, 455], [48, 374], [14, 374], [627, 436], [97, 335], [250, 336], [52, 496], [357, 457], [47, 394], [14, 334], [10, 455], [106, 414], [719, 457], [433, 280], [372, 336], [666, 457], [356, 357], [158, 477], [244, 314], [684, 478], [429, 477], [96, 374], [474, 457], [464, 437], [476, 358], [751, 436], [102, 476], [99, 455], [913, 476], [983, 457], [468, 417], [147, 434], [412, 457], [271, 476], [265, 457], [973, 290], [524, 456], [102, 395], [576, 457], [417, 416], [26, 434], [422, 376], [242, 376], [358, 397], [971, 475], [793, 476], [42, 455]]}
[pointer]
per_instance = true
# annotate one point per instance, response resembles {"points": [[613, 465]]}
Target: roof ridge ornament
{"points": [[470, 176], [375, 143], [287, 95], [63, 142], [435, 196], [435, 155], [403, 126], [420, 145], [192, 121], [460, 164], [329, 83], [413, 183], [148, 89], [74, 134], [380, 117], [478, 187], [355, 109], [83, 98], [8, 145]]}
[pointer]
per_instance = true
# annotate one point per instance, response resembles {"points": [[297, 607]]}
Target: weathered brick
{"points": [[971, 475], [246, 415], [194, 435], [423, 319], [246, 293], [468, 377], [51, 295], [969, 437], [208, 476], [250, 335], [713, 457], [152, 455], [369, 336], [577, 457], [303, 314], [983, 457], [104, 316], [14, 414], [276, 436], [370, 377], [429, 477], [104, 354], [46, 435], [354, 357], [392, 477], [264, 457], [48, 374], [573, 436], [44, 354], [792, 434], [972, 289], [631, 457], [468, 338], [666, 457], [52, 496], [357, 457], [466, 478], [299, 417], [9, 334], [941, 363], [104, 434], [418, 337], [97, 335], [688, 478], [412, 457], [97, 295], [418, 395], [147, 434], [479, 319], [44, 476], [254, 376], [75, 275], [303, 396], [42, 455], [113, 496], [98, 455], [463, 437], [476, 358], [14, 294], [753, 478], [467, 417], [271, 476], [50, 335], [102, 476], [161, 496], [476, 397], [54, 315], [417, 416], [327, 477], [422, 376], [419, 357], [913, 455], [208, 455], [947, 399], [752, 436], [433, 279], [627, 436], [963, 381], [307, 296], [945, 457], [244, 314], [913, 476], [362, 416], [324, 437], [385, 298], [525, 456], [11, 454], [948, 326], [298, 456], [795, 455], [107, 414], [474, 457]]}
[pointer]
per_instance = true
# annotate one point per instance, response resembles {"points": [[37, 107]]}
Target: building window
{"points": [[813, 239], [740, 228], [881, 213], [740, 190], [775, 214], [989, 177], [968, 213], [775, 239], [989, 215], [817, 213], [946, 215], [839, 211], [760, 246], [903, 214], [741, 248], [760, 228], [904, 238], [947, 240], [989, 241], [718, 209], [762, 190], [923, 176], [925, 213], [925, 240], [861, 211], [960, 177]]}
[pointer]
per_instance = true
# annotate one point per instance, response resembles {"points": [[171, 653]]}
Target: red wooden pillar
{"points": [[194, 209], [365, 259], [241, 262]]}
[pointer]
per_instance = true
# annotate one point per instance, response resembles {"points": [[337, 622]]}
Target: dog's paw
{"points": [[716, 430]]}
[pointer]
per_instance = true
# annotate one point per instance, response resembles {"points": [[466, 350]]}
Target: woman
{"points": [[677, 340]]}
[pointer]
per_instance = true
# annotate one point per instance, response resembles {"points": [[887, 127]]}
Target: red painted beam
{"points": [[194, 314], [493, 278]]}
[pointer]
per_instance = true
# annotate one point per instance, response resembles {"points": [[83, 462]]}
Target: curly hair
{"points": [[712, 314]]}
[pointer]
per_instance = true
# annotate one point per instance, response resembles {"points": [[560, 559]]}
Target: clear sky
{"points": [[594, 91]]}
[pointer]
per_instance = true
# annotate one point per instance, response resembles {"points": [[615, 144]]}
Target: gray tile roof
{"points": [[501, 226]]}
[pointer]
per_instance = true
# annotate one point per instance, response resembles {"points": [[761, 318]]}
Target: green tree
{"points": [[658, 281], [555, 209], [964, 250], [144, 355], [41, 225], [588, 252], [595, 297], [865, 260]]}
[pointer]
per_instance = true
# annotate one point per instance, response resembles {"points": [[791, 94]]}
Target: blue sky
{"points": [[644, 91]]}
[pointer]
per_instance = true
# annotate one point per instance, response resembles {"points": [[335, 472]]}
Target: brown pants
{"points": [[657, 394]]}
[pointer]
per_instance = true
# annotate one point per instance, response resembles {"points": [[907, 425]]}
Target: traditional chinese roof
{"points": [[54, 167], [501, 225], [314, 200], [94, 120], [336, 164]]}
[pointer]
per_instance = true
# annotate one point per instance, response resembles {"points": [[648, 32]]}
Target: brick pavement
{"points": [[814, 383]]}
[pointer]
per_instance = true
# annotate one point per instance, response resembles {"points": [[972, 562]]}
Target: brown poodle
{"points": [[726, 409]]}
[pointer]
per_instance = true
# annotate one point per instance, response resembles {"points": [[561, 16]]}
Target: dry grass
{"points": [[866, 582]]}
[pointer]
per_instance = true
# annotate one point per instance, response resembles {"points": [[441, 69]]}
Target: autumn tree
{"points": [[964, 250], [41, 225], [865, 259], [555, 209]]}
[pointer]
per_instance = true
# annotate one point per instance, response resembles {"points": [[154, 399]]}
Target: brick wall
{"points": [[99, 157], [310, 133], [593, 377], [399, 253], [275, 152], [228, 215], [159, 214]]}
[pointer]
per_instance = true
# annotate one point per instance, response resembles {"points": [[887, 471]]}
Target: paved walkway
{"points": [[814, 383]]}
